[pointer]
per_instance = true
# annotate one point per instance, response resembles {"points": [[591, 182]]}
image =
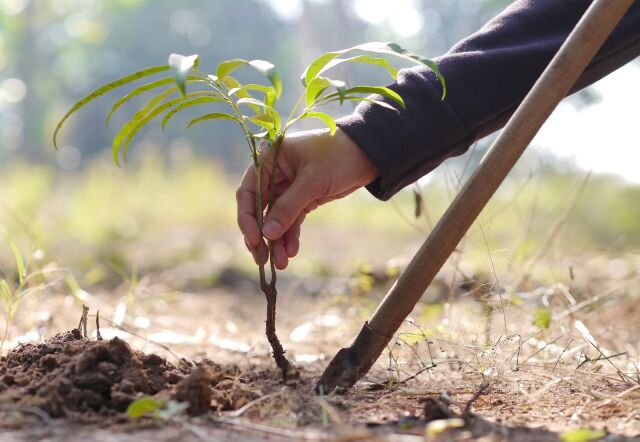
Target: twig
{"points": [[622, 375], [466, 413], [560, 357], [98, 335], [240, 411], [162, 346], [83, 321]]}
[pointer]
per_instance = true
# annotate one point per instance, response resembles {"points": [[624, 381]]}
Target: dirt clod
{"points": [[195, 390], [72, 377]]}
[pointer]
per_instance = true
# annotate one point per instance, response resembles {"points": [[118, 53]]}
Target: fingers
{"points": [[280, 258], [292, 237], [260, 254], [288, 207], [246, 208]]}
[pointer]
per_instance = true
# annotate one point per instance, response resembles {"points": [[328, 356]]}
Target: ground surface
{"points": [[581, 372]]}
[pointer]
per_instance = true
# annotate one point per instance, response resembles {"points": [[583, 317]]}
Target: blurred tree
{"points": [[53, 52]]}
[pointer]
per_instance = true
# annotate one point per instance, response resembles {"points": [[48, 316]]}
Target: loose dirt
{"points": [[85, 380]]}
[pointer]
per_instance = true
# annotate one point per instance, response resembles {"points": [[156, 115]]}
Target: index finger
{"points": [[246, 207]]}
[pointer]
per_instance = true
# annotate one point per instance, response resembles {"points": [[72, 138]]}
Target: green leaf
{"points": [[228, 66], [341, 88], [137, 91], [365, 99], [141, 118], [380, 90], [187, 104], [181, 67], [387, 48], [268, 109], [104, 89], [382, 62], [326, 119], [582, 435], [142, 407], [262, 120], [315, 88], [542, 318], [316, 65], [212, 116], [22, 271], [230, 82], [144, 88], [243, 92], [264, 67], [124, 130], [269, 71]]}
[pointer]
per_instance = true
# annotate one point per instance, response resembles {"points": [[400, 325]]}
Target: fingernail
{"points": [[271, 229]]}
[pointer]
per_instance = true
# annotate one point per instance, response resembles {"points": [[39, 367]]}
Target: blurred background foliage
{"points": [[174, 202]]}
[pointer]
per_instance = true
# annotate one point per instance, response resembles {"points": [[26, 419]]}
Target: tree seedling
{"points": [[253, 107]]}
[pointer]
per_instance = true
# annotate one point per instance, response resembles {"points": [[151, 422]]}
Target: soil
{"points": [[87, 380]]}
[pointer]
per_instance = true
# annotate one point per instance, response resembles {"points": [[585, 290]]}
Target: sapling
{"points": [[253, 107]]}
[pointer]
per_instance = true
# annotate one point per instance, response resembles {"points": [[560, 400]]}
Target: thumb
{"points": [[287, 208]]}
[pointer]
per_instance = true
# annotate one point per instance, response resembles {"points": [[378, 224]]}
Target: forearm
{"points": [[487, 75]]}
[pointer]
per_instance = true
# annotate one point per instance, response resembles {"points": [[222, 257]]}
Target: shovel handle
{"points": [[552, 86]]}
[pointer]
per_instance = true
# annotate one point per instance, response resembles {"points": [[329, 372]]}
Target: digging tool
{"points": [[353, 362]]}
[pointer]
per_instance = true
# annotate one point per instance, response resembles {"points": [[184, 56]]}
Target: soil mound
{"points": [[69, 376]]}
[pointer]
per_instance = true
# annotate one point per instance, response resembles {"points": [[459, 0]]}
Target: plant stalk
{"points": [[289, 372]]}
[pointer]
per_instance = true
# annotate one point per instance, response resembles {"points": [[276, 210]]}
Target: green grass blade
{"points": [[212, 116], [22, 270], [188, 104], [325, 118], [104, 89], [7, 295]]}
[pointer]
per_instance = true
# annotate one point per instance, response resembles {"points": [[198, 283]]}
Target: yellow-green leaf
{"points": [[187, 104], [542, 318], [143, 407], [582, 435], [212, 116], [315, 88], [104, 89], [325, 118]]}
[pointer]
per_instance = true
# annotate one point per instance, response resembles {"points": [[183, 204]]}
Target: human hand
{"points": [[313, 168]]}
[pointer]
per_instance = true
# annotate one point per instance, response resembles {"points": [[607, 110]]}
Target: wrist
{"points": [[365, 169]]}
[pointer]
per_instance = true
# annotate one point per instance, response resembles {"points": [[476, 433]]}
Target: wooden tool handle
{"points": [[555, 82]]}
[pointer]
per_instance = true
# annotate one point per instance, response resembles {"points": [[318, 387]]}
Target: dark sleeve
{"points": [[487, 75]]}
